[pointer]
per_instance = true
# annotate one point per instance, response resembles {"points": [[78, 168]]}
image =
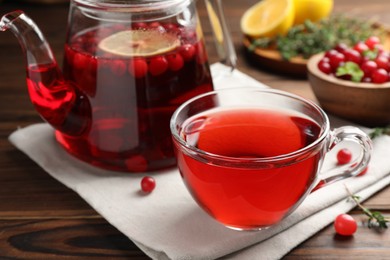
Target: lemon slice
{"points": [[313, 10], [143, 43], [268, 18], [216, 25]]}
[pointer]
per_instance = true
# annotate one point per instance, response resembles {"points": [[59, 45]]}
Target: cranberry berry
{"points": [[175, 62], [325, 67], [344, 156], [187, 51], [138, 67], [336, 60], [345, 225], [368, 67], [379, 76], [372, 42], [352, 55], [361, 47], [158, 65], [148, 184]]}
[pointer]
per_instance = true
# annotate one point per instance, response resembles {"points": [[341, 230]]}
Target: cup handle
{"points": [[353, 134]]}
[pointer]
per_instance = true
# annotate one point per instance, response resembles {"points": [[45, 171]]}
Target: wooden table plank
{"points": [[64, 239]]}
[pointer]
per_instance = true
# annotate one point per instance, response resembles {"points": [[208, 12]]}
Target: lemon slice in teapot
{"points": [[142, 43]]}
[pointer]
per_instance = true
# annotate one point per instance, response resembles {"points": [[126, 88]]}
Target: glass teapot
{"points": [[127, 66]]}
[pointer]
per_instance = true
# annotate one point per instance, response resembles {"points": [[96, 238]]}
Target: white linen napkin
{"points": [[168, 224]]}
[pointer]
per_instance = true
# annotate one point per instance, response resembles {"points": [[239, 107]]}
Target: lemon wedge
{"points": [[313, 10], [216, 25], [268, 18], [143, 43]]}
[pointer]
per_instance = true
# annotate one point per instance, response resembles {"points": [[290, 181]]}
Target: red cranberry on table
{"points": [[148, 184], [345, 225]]}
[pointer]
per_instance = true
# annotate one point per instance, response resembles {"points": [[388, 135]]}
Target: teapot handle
{"points": [[223, 40]]}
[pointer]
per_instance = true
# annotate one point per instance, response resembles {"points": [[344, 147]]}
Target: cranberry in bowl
{"points": [[353, 82]]}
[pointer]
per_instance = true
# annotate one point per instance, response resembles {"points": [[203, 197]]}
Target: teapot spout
{"points": [[58, 101], [31, 40]]}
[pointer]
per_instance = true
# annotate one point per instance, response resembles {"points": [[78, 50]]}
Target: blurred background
{"points": [[39, 1]]}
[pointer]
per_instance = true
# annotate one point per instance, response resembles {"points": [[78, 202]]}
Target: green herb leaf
{"points": [[370, 54], [378, 131], [375, 218], [352, 69], [260, 43]]}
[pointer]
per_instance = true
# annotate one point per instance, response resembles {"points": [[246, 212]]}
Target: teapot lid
{"points": [[131, 5], [143, 9]]}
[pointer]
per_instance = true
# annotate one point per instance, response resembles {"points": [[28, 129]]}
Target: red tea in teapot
{"points": [[128, 65], [248, 195], [133, 78]]}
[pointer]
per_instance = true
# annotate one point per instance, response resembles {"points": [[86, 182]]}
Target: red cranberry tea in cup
{"points": [[250, 156], [266, 194]]}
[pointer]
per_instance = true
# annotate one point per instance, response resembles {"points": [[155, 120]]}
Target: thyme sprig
{"points": [[378, 131], [375, 218]]}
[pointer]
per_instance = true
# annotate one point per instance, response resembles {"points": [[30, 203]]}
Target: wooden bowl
{"points": [[367, 104]]}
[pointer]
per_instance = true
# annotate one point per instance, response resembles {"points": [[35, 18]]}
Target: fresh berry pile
{"points": [[364, 62]]}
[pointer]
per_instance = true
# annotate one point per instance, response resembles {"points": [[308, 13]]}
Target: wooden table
{"points": [[42, 219]]}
